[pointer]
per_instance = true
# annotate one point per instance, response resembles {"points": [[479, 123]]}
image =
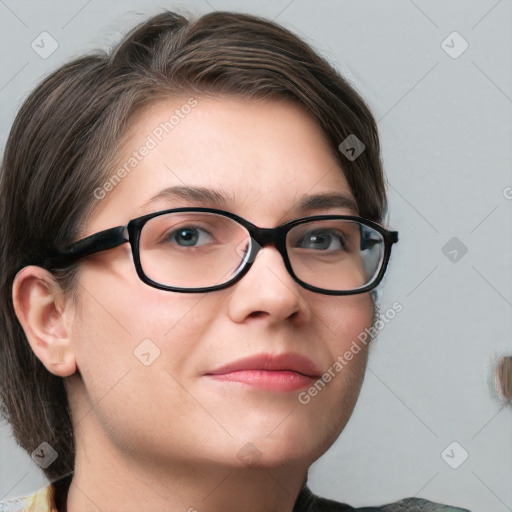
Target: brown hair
{"points": [[64, 140]]}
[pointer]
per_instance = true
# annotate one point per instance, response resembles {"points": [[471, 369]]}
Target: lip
{"points": [[281, 372]]}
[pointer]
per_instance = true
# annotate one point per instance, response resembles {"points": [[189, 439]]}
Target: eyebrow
{"points": [[217, 199], [325, 201], [203, 195]]}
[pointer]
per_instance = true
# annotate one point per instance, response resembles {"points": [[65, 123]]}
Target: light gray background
{"points": [[446, 130]]}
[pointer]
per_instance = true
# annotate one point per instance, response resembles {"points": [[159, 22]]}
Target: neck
{"points": [[102, 483]]}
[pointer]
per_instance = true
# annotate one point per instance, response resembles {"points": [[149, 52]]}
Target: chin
{"points": [[289, 448]]}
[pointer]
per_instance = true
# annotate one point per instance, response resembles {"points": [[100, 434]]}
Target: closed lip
{"points": [[272, 362]]}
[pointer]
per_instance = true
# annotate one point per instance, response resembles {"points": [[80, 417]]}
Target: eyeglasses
{"points": [[203, 249]]}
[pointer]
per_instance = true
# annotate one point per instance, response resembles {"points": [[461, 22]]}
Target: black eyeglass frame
{"points": [[114, 237]]}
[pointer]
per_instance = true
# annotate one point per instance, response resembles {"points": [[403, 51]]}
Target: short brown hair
{"points": [[64, 140]]}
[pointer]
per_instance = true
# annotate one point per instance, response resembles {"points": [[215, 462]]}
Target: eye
{"points": [[322, 239], [188, 236]]}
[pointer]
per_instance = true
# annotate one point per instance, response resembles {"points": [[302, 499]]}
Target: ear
{"points": [[45, 315]]}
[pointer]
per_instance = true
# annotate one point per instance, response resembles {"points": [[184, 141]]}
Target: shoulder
{"points": [[419, 505], [39, 501], [309, 502]]}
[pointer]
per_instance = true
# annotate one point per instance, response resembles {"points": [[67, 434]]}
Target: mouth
{"points": [[283, 372]]}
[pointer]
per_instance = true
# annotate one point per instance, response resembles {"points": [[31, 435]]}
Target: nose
{"points": [[268, 292]]}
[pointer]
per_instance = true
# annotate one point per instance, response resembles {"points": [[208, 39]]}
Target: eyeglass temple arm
{"points": [[92, 244]]}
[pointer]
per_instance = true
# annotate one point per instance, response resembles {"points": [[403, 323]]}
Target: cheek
{"points": [[346, 319], [326, 406], [123, 323], [118, 327], [346, 322], [119, 302]]}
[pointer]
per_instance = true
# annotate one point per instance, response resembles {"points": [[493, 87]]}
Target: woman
{"points": [[191, 234]]}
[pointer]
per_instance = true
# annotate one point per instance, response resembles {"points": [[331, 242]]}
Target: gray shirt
{"points": [[308, 502]]}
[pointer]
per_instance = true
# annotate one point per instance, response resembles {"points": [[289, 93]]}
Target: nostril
{"points": [[258, 314]]}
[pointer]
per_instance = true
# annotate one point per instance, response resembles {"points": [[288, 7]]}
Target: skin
{"points": [[165, 435]]}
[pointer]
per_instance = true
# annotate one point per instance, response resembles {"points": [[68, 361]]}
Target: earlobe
{"points": [[45, 314]]}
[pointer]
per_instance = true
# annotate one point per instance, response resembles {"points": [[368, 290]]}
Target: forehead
{"points": [[262, 156]]}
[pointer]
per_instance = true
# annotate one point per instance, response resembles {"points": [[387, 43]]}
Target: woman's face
{"points": [[146, 356]]}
